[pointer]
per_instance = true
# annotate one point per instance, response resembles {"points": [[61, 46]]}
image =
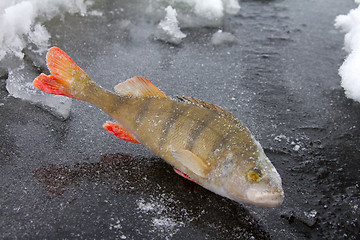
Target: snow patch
{"points": [[163, 218], [222, 38], [189, 14], [168, 28], [350, 69]]}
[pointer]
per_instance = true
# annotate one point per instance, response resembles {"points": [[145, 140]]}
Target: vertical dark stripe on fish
{"points": [[142, 111], [222, 141], [199, 128], [176, 113]]}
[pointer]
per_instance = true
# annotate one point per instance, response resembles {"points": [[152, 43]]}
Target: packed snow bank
{"points": [[350, 69], [21, 22]]}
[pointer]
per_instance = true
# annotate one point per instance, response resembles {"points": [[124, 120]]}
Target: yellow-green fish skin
{"points": [[164, 125]]}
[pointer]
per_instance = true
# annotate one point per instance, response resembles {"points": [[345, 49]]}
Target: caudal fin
{"points": [[65, 75]]}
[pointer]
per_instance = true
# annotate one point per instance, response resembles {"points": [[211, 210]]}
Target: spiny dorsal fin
{"points": [[192, 162], [139, 87], [204, 104]]}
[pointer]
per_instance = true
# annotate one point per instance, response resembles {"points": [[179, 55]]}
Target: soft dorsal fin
{"points": [[192, 162], [204, 104], [139, 87]]}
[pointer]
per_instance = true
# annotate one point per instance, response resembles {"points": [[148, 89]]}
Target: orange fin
{"points": [[51, 84], [64, 73], [139, 87], [62, 66], [119, 132], [184, 175]]}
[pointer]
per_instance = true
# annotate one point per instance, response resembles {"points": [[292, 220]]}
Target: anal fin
{"points": [[119, 132]]}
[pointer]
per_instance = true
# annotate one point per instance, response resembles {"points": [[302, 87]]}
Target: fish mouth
{"points": [[265, 198]]}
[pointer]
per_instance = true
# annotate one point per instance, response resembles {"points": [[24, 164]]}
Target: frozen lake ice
{"points": [[279, 75]]}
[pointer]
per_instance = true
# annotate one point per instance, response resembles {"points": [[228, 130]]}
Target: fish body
{"points": [[202, 141]]}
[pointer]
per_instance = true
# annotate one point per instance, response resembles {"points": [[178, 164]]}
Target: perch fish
{"points": [[203, 142]]}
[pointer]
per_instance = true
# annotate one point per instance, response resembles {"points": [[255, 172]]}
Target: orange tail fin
{"points": [[64, 72]]}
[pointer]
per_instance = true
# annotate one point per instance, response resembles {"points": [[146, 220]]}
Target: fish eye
{"points": [[254, 174]]}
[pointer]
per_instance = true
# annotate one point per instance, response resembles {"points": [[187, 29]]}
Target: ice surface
{"points": [[350, 69], [220, 38], [18, 86], [168, 29]]}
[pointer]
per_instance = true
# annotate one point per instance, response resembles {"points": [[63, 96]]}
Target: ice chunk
{"points": [[350, 70], [168, 28], [220, 38], [19, 85]]}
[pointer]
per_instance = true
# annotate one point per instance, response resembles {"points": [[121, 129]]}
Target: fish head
{"points": [[253, 181]]}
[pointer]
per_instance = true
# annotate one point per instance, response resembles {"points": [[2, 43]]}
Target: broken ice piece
{"points": [[19, 85], [221, 38], [168, 28]]}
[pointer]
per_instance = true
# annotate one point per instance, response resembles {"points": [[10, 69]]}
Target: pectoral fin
{"points": [[119, 132], [184, 175], [192, 162]]}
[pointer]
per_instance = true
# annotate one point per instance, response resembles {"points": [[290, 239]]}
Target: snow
{"points": [[196, 13], [350, 70], [163, 218], [221, 38], [21, 22], [168, 29]]}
